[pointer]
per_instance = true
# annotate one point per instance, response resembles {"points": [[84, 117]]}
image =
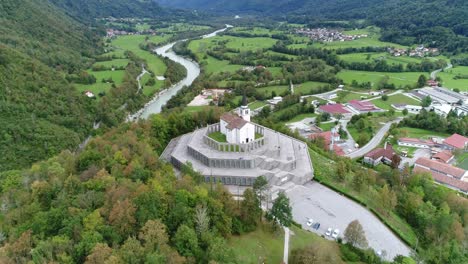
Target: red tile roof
{"points": [[456, 141], [363, 105], [233, 121], [444, 156], [441, 168], [381, 152], [334, 109], [440, 178], [338, 150]]}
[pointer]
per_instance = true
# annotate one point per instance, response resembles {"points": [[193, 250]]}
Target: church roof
{"points": [[233, 121]]}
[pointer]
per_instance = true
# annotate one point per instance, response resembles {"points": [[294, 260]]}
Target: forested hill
{"points": [[40, 113], [403, 21], [89, 9]]}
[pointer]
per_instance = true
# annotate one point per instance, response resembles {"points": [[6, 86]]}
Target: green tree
{"points": [[426, 101], [186, 241], [250, 211], [341, 170], [405, 112], [387, 200], [354, 234], [281, 211], [384, 97], [422, 80]]}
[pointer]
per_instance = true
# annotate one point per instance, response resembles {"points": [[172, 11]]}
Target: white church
{"points": [[238, 128]]}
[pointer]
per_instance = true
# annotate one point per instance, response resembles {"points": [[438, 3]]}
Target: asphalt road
{"points": [[373, 143], [333, 210]]}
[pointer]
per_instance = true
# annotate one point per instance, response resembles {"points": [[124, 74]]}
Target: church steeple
{"points": [[244, 110]]}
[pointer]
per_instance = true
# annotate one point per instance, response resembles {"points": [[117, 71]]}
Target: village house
{"points": [[379, 155], [330, 138], [363, 106], [456, 141], [442, 173], [335, 109], [444, 156], [416, 143]]}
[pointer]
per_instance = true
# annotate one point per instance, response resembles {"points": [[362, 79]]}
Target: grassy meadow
{"points": [[449, 75], [397, 78], [394, 99]]}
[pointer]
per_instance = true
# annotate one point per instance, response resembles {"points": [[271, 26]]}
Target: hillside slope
{"points": [[89, 9], [41, 113]]}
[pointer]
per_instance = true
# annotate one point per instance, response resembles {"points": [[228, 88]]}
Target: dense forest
{"points": [[89, 9]]}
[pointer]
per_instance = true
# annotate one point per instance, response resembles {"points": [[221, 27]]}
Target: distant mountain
{"points": [[404, 21]]}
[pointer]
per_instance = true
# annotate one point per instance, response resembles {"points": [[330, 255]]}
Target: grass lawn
{"points": [[327, 126], [420, 133], [204, 108], [257, 135], [346, 96], [218, 136], [150, 90], [395, 99], [449, 81], [397, 78], [266, 246], [256, 104], [301, 117], [462, 161]]}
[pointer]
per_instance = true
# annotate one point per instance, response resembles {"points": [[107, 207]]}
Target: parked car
{"points": [[316, 226], [310, 222], [336, 232], [329, 231]]}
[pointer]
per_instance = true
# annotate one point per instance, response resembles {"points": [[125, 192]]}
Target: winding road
{"points": [[434, 73], [374, 142]]}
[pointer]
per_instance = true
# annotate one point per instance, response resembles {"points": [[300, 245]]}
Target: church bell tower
{"points": [[244, 110]]}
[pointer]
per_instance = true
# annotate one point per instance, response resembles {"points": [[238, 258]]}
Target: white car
{"points": [[335, 234], [310, 222], [329, 232]]}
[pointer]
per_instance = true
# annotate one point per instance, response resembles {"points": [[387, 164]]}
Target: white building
{"points": [[442, 110], [462, 110], [237, 128], [414, 109]]}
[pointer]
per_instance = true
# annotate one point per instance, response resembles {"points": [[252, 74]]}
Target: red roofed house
{"points": [[334, 109], [416, 143], [443, 156], [363, 106], [443, 173], [456, 141], [432, 83], [378, 155]]}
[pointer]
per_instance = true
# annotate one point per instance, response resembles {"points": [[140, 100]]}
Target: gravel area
{"points": [[331, 209]]}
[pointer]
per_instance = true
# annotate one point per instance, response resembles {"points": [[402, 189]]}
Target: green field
{"points": [[371, 56], [449, 81], [213, 65], [99, 86], [265, 246], [346, 96], [256, 104], [131, 43], [303, 88], [113, 63], [420, 133], [397, 78], [394, 99]]}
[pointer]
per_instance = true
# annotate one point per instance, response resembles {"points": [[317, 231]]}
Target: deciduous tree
{"points": [[354, 234]]}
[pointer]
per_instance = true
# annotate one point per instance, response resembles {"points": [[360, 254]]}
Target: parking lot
{"points": [[331, 209], [426, 153]]}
